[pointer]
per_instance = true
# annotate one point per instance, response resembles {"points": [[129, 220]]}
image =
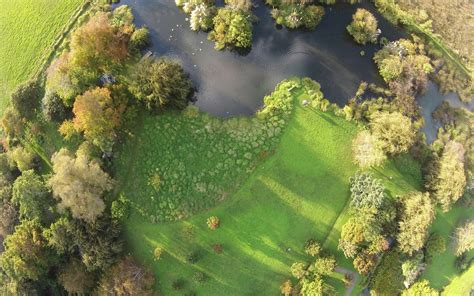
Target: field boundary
{"points": [[53, 47]]}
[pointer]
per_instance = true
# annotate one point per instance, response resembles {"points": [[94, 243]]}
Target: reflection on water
{"points": [[232, 84]]}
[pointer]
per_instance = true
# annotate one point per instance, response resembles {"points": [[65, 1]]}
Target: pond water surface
{"points": [[231, 84]]}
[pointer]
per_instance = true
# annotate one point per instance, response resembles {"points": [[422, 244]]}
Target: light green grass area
{"points": [[27, 29], [443, 270], [297, 193], [461, 285]]}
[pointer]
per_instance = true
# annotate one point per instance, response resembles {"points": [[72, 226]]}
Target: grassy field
{"points": [[27, 29], [461, 285], [296, 194], [442, 270]]}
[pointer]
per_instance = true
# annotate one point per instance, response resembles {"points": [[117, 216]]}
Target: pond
{"points": [[230, 84]]}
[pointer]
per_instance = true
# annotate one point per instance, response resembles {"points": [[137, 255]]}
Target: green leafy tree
{"points": [[22, 157], [140, 38], [26, 255], [365, 262], [32, 196], [363, 27], [416, 217], [421, 288], [325, 265], [79, 183], [26, 97], [312, 248], [436, 244], [394, 131], [53, 107], [449, 179], [126, 277], [298, 270], [160, 83], [232, 28]]}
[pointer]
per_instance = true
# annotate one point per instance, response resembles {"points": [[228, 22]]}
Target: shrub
{"points": [[22, 157], [193, 257], [213, 222], [199, 277], [286, 288], [436, 244], [157, 253], [217, 248], [178, 284], [312, 248], [140, 38]]}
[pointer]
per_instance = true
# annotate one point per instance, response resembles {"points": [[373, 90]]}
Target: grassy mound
{"points": [[299, 192], [27, 29]]}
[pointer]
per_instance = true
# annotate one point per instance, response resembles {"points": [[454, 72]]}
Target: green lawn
{"points": [[461, 285], [442, 270], [296, 194], [27, 29]]}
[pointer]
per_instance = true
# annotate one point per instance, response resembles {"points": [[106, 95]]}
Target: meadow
{"points": [[298, 192], [28, 28]]}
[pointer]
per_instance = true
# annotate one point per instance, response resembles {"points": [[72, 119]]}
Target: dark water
{"points": [[232, 84]]}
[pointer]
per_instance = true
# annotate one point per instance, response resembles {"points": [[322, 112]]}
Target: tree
{"points": [[26, 255], [363, 27], [232, 28], [367, 150], [366, 192], [53, 107], [79, 183], [22, 157], [26, 98], [97, 44], [298, 270], [416, 217], [75, 278], [32, 196], [160, 83], [435, 245], [394, 131], [312, 248], [325, 265], [464, 238], [365, 262], [126, 277], [13, 124], [140, 38], [449, 179], [421, 288], [99, 243], [313, 287], [97, 116], [59, 236]]}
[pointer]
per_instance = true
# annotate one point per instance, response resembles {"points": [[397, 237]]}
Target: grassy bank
{"points": [[298, 193], [28, 28]]}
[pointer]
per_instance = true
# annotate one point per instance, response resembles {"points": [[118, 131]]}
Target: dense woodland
{"points": [[62, 201]]}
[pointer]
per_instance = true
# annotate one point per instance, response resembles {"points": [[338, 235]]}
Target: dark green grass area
{"points": [[27, 29], [297, 193], [442, 270]]}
